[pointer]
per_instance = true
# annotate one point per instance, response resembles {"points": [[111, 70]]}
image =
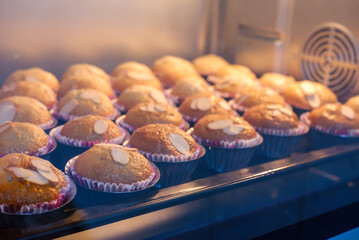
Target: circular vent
{"points": [[330, 56]]}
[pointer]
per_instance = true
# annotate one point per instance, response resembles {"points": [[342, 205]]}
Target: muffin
{"points": [[276, 81], [33, 75], [85, 81], [138, 94], [353, 103], [130, 66], [39, 91], [255, 96], [30, 185], [174, 151], [170, 69], [186, 88], [332, 124], [232, 70], [111, 168], [84, 69], [18, 137], [228, 87], [147, 113], [199, 105], [82, 102], [230, 141], [129, 78], [307, 95], [279, 126], [209, 64], [26, 109]]}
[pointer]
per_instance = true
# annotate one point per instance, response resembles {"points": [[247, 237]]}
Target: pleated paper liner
{"points": [[64, 118], [49, 125]]}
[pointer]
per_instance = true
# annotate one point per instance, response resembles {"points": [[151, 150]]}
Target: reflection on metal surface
{"points": [[324, 174]]}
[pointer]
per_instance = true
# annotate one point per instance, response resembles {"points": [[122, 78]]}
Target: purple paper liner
{"points": [[111, 187], [47, 126], [120, 122], [175, 99], [119, 107], [66, 194], [66, 118]]}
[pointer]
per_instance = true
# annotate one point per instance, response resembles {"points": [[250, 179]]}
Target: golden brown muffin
{"points": [[276, 81], [39, 91], [130, 66], [26, 180], [334, 116], [33, 75], [272, 117], [199, 105], [147, 113], [170, 69], [209, 64], [85, 81], [82, 102], [110, 163], [232, 70], [129, 78], [84, 69], [24, 109], [186, 88], [18, 137], [139, 94], [91, 128], [220, 127], [308, 95], [163, 139], [353, 102], [257, 96], [229, 86]]}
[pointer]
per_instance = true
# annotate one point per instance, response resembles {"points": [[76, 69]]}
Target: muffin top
{"points": [[34, 75], [209, 64], [26, 180], [82, 102], [130, 66], [91, 128], [189, 87], [163, 139], [85, 69], [257, 96], [140, 94], [308, 95], [276, 81], [18, 137], [129, 78], [23, 109], [170, 69], [271, 116], [39, 91], [110, 163], [353, 102], [232, 70], [146, 113], [220, 127], [85, 81], [334, 116], [229, 86], [202, 104]]}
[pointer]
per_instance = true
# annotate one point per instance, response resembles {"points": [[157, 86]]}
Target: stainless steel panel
{"points": [[54, 34]]}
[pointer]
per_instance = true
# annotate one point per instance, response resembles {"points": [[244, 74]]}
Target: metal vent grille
{"points": [[330, 56]]}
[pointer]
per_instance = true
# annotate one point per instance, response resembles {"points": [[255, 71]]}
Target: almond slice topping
{"points": [[69, 107], [243, 98], [9, 87], [92, 95], [28, 175], [100, 126], [286, 111], [158, 96], [313, 100], [273, 106], [193, 104], [4, 127], [219, 124], [160, 107], [141, 76], [204, 104], [7, 112], [347, 112], [224, 105], [308, 88], [179, 143], [50, 175], [232, 129], [116, 146], [31, 79], [41, 164], [119, 156]]}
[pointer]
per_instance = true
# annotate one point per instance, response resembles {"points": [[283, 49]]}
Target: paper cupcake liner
{"points": [[175, 99], [120, 122], [119, 107], [349, 133], [109, 187], [300, 130], [48, 125], [83, 143], [69, 117], [38, 207]]}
